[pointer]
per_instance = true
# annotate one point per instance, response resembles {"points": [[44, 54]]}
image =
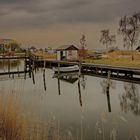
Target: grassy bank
{"points": [[115, 62], [118, 58]]}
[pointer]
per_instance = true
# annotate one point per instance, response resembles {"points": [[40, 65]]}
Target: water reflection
{"points": [[6, 63], [66, 107], [106, 85], [130, 100], [71, 78], [59, 91], [79, 91], [83, 81]]}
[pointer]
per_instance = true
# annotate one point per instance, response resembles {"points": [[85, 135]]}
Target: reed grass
{"points": [[12, 124], [15, 125]]}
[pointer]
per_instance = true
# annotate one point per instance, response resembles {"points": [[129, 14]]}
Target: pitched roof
{"points": [[67, 47]]}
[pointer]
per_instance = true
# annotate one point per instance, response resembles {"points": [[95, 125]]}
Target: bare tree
{"points": [[83, 50], [129, 27], [107, 39], [83, 41]]}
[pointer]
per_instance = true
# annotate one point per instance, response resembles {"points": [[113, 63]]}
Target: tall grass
{"points": [[15, 125], [12, 124]]}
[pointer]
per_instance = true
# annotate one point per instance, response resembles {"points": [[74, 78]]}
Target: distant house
{"points": [[138, 49], [67, 52], [32, 49], [49, 50], [8, 45], [95, 54]]}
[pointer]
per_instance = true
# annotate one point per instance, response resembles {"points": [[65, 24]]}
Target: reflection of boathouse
{"points": [[67, 52]]}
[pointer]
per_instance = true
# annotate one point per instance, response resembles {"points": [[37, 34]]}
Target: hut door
{"points": [[61, 55]]}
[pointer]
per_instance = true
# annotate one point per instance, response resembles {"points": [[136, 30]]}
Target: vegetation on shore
{"points": [[118, 58], [122, 58]]}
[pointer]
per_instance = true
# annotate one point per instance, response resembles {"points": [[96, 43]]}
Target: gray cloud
{"points": [[41, 13]]}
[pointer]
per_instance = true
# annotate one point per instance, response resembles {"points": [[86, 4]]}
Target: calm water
{"points": [[89, 115]]}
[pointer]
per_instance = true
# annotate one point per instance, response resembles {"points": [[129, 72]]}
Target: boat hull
{"points": [[66, 69]]}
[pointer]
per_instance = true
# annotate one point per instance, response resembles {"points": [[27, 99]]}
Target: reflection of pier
{"points": [[70, 78], [7, 60], [106, 84]]}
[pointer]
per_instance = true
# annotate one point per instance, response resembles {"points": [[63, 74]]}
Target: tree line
{"points": [[129, 29]]}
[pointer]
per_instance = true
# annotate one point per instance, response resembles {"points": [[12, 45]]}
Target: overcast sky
{"points": [[45, 23]]}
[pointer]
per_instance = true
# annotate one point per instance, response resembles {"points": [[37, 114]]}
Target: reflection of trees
{"points": [[106, 85], [83, 81], [130, 100]]}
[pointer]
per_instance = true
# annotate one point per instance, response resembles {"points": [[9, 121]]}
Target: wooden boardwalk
{"points": [[117, 73]]}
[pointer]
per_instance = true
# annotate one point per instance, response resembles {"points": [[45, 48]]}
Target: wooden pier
{"points": [[117, 73]]}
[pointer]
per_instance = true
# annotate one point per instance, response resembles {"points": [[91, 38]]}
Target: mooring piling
{"points": [[107, 91], [59, 92], [44, 79]]}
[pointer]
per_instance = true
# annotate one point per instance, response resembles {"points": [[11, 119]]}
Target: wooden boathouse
{"points": [[67, 52]]}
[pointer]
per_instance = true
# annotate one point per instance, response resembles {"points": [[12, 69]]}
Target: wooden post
{"points": [[25, 67], [59, 92], [79, 69], [3, 65], [33, 76], [13, 75], [117, 73], [9, 67], [44, 80], [30, 68], [101, 71], [96, 70], [18, 70], [107, 91], [79, 90], [108, 99]]}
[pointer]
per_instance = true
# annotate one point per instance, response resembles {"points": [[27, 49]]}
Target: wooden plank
{"points": [[107, 67], [12, 72], [15, 57]]}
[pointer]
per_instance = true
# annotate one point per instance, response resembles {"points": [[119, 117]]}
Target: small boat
{"points": [[74, 68], [67, 77]]}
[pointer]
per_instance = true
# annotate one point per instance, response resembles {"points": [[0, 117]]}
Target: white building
{"points": [[68, 52]]}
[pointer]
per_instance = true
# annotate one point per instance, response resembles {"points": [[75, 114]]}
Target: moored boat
{"points": [[74, 68]]}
